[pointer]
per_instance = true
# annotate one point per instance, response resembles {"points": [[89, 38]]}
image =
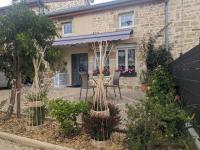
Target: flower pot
{"points": [[100, 144], [143, 87]]}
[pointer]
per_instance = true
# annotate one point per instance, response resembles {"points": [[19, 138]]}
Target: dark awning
{"points": [[109, 36]]}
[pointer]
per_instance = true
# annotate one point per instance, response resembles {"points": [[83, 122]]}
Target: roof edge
{"points": [[97, 7]]}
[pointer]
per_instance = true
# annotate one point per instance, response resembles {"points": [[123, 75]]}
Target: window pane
{"points": [[131, 57], [106, 68], [131, 61], [121, 60], [127, 20], [68, 28], [97, 60]]}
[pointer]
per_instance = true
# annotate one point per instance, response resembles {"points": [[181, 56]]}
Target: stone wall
{"points": [[149, 18], [184, 30], [53, 6]]}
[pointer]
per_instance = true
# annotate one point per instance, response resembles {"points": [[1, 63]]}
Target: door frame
{"points": [[79, 62]]}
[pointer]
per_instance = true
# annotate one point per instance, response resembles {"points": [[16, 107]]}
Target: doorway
{"points": [[79, 64]]}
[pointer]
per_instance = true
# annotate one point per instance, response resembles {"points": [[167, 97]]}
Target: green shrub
{"points": [[65, 113], [161, 86], [159, 123], [153, 126], [101, 129], [155, 56], [158, 57], [40, 96]]}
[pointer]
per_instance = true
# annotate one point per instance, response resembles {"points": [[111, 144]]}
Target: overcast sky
{"points": [[7, 2]]}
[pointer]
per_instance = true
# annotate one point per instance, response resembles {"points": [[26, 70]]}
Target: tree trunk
{"points": [[11, 106], [18, 86]]}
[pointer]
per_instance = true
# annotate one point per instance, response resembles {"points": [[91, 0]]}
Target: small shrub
{"points": [[158, 57], [155, 56], [159, 123], [101, 129], [65, 113], [161, 86]]}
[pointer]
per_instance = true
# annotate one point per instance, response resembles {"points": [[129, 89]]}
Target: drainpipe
{"points": [[166, 34]]}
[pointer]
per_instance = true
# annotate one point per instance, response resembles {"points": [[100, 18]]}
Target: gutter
{"points": [[166, 23]]}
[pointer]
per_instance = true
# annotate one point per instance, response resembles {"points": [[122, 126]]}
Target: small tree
{"points": [[19, 28]]}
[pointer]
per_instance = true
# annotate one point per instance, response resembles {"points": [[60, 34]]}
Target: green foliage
{"points": [[40, 96], [65, 113], [154, 56], [158, 57], [159, 123], [101, 128], [19, 28], [161, 86]]}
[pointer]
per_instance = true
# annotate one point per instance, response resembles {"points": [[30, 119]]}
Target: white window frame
{"points": [[126, 49], [63, 27], [124, 14]]}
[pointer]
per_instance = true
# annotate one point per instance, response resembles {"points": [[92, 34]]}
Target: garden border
{"points": [[31, 142]]}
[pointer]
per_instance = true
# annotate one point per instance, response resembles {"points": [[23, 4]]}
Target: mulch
{"points": [[49, 132]]}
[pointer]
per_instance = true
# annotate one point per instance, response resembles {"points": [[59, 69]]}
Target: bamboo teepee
{"points": [[100, 105], [35, 103]]}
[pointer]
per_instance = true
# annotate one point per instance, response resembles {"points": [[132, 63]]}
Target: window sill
{"points": [[67, 35], [124, 28], [129, 75]]}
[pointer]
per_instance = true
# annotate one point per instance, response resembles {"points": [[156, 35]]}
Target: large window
{"points": [[96, 65], [126, 61], [126, 20], [67, 28]]}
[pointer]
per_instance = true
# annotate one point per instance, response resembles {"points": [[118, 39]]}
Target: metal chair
{"points": [[114, 84], [85, 84]]}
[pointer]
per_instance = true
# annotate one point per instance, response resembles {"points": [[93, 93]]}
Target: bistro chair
{"points": [[85, 84], [114, 83]]}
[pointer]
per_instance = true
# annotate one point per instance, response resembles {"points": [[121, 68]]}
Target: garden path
{"points": [[129, 96], [7, 145]]}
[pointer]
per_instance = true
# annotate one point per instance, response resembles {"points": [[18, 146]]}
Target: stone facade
{"points": [[184, 27], [184, 30], [53, 6]]}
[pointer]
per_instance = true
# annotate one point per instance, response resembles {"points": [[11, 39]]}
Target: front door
{"points": [[79, 64]]}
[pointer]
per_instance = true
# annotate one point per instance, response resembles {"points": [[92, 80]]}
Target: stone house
{"points": [[125, 23]]}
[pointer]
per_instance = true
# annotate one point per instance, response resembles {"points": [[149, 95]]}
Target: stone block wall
{"points": [[53, 6], [184, 29]]}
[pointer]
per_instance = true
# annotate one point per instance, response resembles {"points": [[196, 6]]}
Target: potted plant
{"points": [[100, 129], [144, 80]]}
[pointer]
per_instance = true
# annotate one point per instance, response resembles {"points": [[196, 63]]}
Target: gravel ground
{"points": [[7, 145]]}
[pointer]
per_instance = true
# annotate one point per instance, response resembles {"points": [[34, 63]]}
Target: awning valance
{"points": [[108, 36]]}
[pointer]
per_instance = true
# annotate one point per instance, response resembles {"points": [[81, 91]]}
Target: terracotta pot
{"points": [[100, 144], [144, 87]]}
